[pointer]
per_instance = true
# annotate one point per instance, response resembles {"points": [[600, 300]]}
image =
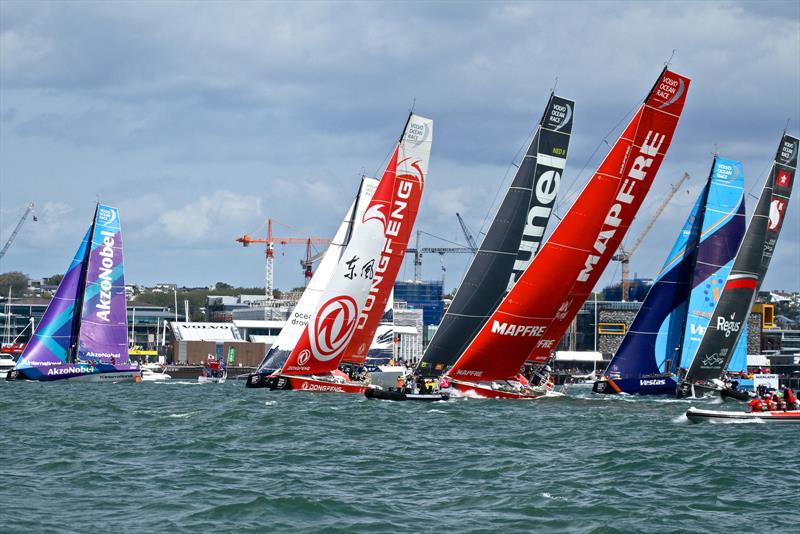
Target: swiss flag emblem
{"points": [[782, 179]]}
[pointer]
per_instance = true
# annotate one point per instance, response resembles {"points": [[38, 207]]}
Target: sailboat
{"points": [[663, 336], [725, 327], [535, 313], [353, 302], [83, 334], [278, 353]]}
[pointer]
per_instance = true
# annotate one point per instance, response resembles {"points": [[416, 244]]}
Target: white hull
{"points": [[210, 380], [122, 376]]}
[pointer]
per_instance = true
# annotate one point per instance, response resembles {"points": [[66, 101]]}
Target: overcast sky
{"points": [[201, 119]]}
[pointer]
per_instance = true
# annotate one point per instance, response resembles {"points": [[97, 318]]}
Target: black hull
{"points": [[271, 382], [394, 395], [735, 394]]}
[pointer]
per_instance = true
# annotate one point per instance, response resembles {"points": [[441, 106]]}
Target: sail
{"points": [[382, 347], [56, 333], [290, 333], [723, 230], [103, 334], [738, 363], [534, 315], [752, 260], [514, 236], [709, 237], [368, 264], [412, 164]]}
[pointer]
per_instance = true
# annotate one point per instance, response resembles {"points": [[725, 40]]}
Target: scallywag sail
{"points": [[513, 238], [749, 268], [83, 333], [661, 339], [534, 315]]}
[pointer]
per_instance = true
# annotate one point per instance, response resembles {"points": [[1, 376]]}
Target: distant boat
{"points": [[663, 336], [83, 334], [153, 372], [716, 348], [696, 415], [7, 364], [535, 313], [215, 372]]}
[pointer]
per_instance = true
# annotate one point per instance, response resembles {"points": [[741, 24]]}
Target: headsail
{"points": [[55, 338], [512, 240], [305, 307], [708, 241], [103, 333], [368, 264], [534, 315], [752, 260]]}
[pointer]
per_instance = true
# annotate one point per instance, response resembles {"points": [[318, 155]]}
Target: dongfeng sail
{"points": [[662, 337], [534, 315], [716, 348], [296, 323], [361, 283], [514, 236], [83, 333]]}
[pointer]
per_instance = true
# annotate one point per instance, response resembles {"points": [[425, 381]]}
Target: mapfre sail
{"points": [[752, 260], [656, 343], [309, 300], [367, 265], [513, 238], [413, 154], [533, 316]]}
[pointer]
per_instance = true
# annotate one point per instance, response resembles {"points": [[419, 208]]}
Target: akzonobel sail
{"points": [[725, 327], [533, 316], [512, 240]]}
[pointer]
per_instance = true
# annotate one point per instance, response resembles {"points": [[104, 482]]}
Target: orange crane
{"points": [[270, 243]]}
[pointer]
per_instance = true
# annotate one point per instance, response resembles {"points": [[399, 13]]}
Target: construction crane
{"points": [[467, 234], [624, 256], [17, 228], [269, 251], [418, 251]]}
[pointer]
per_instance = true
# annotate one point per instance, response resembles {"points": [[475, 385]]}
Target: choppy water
{"points": [[182, 457]]}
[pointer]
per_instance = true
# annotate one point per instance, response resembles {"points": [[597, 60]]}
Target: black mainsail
{"points": [[511, 242], [752, 260]]}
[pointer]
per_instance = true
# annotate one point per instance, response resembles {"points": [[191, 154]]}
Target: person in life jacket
{"points": [[756, 405], [790, 398]]}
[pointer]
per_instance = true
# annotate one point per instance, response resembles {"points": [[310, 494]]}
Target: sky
{"points": [[200, 120]]}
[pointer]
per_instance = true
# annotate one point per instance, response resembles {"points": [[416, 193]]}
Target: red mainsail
{"points": [[533, 316]]}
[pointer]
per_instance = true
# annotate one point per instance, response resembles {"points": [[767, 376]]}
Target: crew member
{"points": [[756, 405], [791, 399]]}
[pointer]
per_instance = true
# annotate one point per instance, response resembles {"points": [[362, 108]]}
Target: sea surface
{"points": [[184, 457]]}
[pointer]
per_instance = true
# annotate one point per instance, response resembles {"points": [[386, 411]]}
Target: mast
{"points": [[79, 298]]}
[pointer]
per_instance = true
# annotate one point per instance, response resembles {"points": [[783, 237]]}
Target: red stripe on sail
{"points": [[534, 315], [746, 283]]}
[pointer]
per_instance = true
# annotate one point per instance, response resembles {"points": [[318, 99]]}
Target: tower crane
{"points": [[418, 251], [269, 251], [467, 234], [17, 228], [624, 256]]}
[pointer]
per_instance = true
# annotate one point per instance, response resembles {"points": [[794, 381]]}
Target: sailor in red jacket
{"points": [[755, 405], [791, 399]]}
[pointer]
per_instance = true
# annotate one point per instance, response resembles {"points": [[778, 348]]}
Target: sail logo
{"points": [[546, 189], [375, 212], [727, 173], [776, 211], [106, 254], [333, 327], [561, 314], [729, 327], [106, 216], [560, 115], [392, 229], [507, 329], [626, 195], [417, 133], [783, 178], [697, 330], [788, 151], [670, 90], [303, 357], [713, 360]]}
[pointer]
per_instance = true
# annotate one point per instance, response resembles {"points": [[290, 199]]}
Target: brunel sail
{"points": [[83, 333], [749, 267], [510, 243], [367, 268], [305, 307], [676, 309], [534, 315]]}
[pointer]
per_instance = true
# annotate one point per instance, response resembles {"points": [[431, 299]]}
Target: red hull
{"points": [[487, 392], [302, 383]]}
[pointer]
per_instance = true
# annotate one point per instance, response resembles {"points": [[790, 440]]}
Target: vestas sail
{"points": [[305, 307], [751, 263], [83, 333], [534, 315], [367, 265], [413, 154], [659, 339], [510, 243]]}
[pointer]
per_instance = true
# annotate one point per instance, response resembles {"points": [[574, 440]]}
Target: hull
{"points": [[394, 395], [486, 391], [305, 383], [696, 416], [79, 373], [665, 385]]}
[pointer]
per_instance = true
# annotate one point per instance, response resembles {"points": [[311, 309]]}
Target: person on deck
{"points": [[791, 398], [756, 405]]}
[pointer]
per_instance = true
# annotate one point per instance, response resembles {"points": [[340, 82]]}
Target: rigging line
{"points": [[442, 238]]}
